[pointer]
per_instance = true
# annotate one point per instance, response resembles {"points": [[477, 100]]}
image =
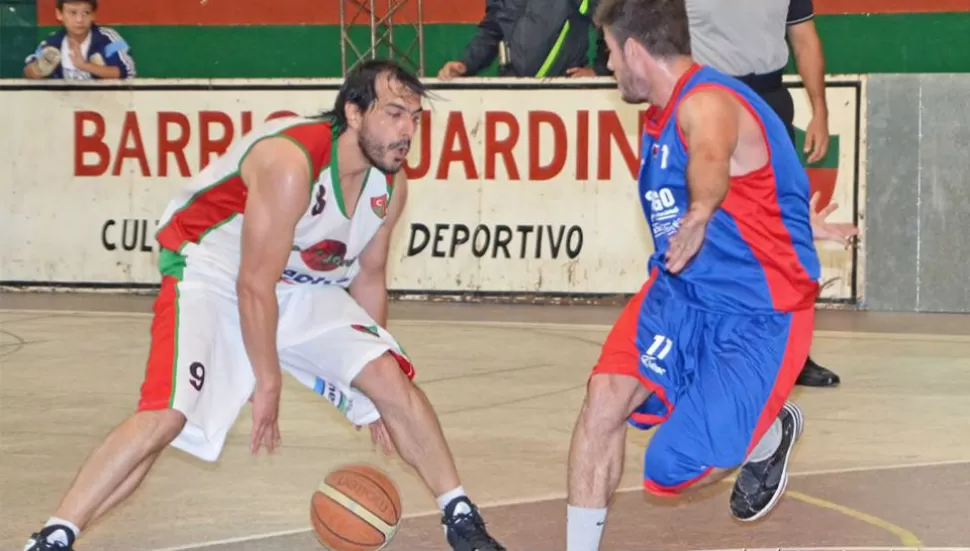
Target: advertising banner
{"points": [[514, 187]]}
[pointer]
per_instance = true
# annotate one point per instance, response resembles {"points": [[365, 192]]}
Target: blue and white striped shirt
{"points": [[105, 42]]}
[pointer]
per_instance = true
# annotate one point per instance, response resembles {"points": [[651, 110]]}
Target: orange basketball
{"points": [[356, 508]]}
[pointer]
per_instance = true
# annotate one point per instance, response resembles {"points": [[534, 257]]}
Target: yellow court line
{"points": [[906, 537]]}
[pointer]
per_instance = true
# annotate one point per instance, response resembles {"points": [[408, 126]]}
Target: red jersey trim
{"points": [[308, 137], [205, 211], [215, 205], [656, 118]]}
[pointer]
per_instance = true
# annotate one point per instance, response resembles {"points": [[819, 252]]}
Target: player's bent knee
{"points": [[157, 428], [384, 381], [668, 472]]}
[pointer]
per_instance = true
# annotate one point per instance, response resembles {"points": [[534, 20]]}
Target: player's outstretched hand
{"points": [[687, 241], [380, 437], [266, 410], [842, 233]]}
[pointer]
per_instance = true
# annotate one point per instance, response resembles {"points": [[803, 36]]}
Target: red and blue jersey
{"points": [[758, 254]]}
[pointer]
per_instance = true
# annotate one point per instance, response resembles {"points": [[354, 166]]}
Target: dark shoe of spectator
{"points": [[816, 375]]}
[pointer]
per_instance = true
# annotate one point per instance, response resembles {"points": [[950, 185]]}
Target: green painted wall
{"points": [[886, 43], [18, 35]]}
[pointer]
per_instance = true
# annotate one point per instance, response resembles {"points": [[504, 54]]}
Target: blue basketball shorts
{"points": [[717, 380]]}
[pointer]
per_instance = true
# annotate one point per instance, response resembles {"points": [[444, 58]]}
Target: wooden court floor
{"points": [[884, 462]]}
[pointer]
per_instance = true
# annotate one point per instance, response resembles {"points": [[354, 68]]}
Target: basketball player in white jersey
{"points": [[274, 260]]}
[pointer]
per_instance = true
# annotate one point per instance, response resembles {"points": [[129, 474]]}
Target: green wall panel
{"points": [[853, 44], [896, 43], [266, 52], [18, 35]]}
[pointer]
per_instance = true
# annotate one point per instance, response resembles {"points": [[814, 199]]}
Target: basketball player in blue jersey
{"points": [[709, 349]]}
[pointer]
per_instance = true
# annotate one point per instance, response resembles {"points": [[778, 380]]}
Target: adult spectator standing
{"points": [[81, 50], [531, 38], [747, 39]]}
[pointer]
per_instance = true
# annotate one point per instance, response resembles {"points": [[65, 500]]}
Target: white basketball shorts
{"points": [[198, 364]]}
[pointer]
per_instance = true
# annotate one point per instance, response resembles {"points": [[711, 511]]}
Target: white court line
{"points": [[562, 495], [39, 311], [891, 467], [927, 337]]}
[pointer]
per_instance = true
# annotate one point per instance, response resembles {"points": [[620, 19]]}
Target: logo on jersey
{"points": [[369, 329], [665, 213], [320, 202], [292, 277], [379, 205], [326, 256], [341, 401]]}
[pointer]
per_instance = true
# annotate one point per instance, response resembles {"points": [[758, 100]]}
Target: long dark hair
{"points": [[360, 87]]}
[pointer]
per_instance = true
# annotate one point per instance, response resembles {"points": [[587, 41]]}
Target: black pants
{"points": [[781, 101], [771, 89]]}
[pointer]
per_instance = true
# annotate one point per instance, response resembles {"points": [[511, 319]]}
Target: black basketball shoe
{"points": [[465, 528], [761, 484], [38, 541]]}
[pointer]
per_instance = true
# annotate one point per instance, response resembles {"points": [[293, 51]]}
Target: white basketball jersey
{"points": [[204, 222]]}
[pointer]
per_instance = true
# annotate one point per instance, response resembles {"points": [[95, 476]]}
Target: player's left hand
{"points": [[842, 233], [266, 410], [380, 437], [687, 241]]}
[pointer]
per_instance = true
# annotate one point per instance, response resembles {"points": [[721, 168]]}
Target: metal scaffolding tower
{"points": [[401, 42]]}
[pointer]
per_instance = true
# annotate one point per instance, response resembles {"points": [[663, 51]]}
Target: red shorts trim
{"points": [[620, 356], [660, 490], [405, 364], [799, 344], [159, 382]]}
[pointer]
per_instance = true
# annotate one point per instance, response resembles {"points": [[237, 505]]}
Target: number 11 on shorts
{"points": [[660, 347]]}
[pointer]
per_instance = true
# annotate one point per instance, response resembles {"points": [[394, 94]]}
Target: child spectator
{"points": [[81, 50]]}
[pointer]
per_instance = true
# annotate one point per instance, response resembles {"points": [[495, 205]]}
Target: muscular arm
{"points": [[709, 120], [277, 175], [811, 64], [369, 288]]}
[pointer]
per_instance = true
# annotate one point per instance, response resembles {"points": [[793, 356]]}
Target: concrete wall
{"points": [[918, 193]]}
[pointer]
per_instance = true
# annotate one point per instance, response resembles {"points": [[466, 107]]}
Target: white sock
{"points": [[59, 535], [447, 497], [584, 528], [768, 445]]}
